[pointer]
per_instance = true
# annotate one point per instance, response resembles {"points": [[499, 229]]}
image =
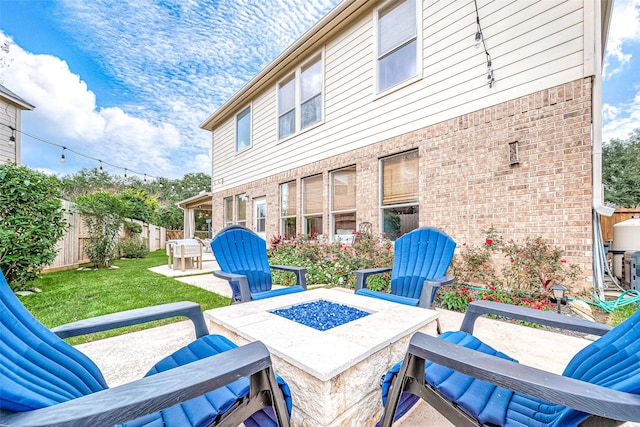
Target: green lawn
{"points": [[72, 295]]}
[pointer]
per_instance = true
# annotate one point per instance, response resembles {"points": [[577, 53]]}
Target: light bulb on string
{"points": [[62, 158]]}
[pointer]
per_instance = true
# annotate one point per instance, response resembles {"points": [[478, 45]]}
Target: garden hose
{"points": [[609, 306]]}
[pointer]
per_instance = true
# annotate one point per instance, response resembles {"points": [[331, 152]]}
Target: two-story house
{"points": [[11, 107], [462, 115]]}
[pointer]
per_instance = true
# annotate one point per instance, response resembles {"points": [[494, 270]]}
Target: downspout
{"points": [[599, 257]]}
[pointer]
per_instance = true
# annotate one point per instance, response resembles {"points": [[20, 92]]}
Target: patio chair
{"points": [[420, 262], [471, 383], [46, 381], [242, 257]]}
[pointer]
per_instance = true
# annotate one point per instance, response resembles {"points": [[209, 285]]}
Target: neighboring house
{"points": [[387, 113], [11, 107]]}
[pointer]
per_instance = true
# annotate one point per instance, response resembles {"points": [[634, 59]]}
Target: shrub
{"points": [[530, 267], [132, 247], [32, 221], [103, 214], [331, 263], [132, 228]]}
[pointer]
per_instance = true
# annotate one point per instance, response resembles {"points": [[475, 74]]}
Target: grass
{"points": [[73, 295], [621, 314]]}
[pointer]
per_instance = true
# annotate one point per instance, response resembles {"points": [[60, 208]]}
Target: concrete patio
{"points": [[128, 357]]}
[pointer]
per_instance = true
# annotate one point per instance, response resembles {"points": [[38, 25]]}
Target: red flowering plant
{"points": [[332, 263], [508, 271]]}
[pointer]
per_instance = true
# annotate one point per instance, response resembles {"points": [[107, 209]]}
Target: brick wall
{"points": [[467, 183]]}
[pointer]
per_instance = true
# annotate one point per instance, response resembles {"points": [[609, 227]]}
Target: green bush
{"points": [[532, 266], [132, 228], [103, 214], [132, 247], [332, 263], [31, 223]]}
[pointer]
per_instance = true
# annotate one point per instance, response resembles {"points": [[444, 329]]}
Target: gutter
{"points": [[601, 28]]}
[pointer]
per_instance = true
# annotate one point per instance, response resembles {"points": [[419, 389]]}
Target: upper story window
{"points": [[243, 129], [397, 43], [300, 99]]}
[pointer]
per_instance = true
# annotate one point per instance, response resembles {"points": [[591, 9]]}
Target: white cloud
{"points": [[66, 114], [625, 120], [610, 112], [625, 28], [179, 60]]}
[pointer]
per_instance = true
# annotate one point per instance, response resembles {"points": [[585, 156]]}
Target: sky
{"points": [[129, 82]]}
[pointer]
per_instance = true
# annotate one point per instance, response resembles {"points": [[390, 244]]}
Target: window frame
{"points": [[379, 90], [237, 119], [238, 220], [288, 216], [227, 202], [413, 204], [318, 214], [336, 212], [299, 102]]}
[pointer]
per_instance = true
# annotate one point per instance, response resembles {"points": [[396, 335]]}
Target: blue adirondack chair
{"points": [[46, 381], [471, 383], [420, 262], [242, 257]]}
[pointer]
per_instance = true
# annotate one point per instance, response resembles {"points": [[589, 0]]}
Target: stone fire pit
{"points": [[334, 373]]}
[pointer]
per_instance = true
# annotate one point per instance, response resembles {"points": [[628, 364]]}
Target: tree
{"points": [[143, 206], [103, 214], [31, 223], [621, 171]]}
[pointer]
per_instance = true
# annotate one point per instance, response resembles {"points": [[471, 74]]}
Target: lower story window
{"points": [[228, 211], [241, 210], [288, 209], [399, 205], [312, 205]]}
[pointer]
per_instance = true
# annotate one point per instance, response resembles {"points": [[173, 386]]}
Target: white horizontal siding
{"points": [[533, 44]]}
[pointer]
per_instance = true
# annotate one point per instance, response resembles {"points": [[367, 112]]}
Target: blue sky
{"points": [[129, 82]]}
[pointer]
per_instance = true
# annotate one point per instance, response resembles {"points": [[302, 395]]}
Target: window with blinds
{"points": [[300, 98], [400, 210], [228, 211], [241, 210], [400, 179], [288, 209], [343, 203], [397, 43], [312, 204]]}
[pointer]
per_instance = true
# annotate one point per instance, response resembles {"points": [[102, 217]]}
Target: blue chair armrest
{"points": [[361, 275], [240, 279], [162, 390], [430, 287], [580, 395], [135, 317], [300, 272], [548, 318]]}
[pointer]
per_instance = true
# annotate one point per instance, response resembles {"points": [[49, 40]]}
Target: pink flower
{"points": [[564, 261], [489, 242]]}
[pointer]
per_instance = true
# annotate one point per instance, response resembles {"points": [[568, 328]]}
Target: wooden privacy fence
{"points": [[71, 247]]}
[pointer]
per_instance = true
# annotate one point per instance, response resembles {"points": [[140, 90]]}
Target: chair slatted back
{"points": [[611, 361], [240, 251], [422, 254], [37, 368]]}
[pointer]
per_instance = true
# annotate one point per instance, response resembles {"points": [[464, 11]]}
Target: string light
{"points": [[480, 38], [64, 148]]}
